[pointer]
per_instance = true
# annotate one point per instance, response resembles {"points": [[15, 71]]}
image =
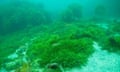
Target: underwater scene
{"points": [[59, 35]]}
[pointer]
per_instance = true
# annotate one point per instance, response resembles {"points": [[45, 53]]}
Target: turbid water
{"points": [[59, 36]]}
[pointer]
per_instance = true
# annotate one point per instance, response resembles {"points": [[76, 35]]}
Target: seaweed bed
{"points": [[46, 45]]}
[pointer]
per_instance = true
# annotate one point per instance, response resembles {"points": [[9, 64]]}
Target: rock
{"points": [[53, 67]]}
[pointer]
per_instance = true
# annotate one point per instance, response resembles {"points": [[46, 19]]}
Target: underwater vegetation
{"points": [[68, 53], [9, 44], [112, 44], [14, 16], [65, 43], [72, 13], [115, 27], [100, 13], [94, 32], [78, 30], [112, 40]]}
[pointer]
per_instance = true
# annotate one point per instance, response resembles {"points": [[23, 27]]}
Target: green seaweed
{"points": [[67, 52], [115, 26], [72, 13], [100, 13], [94, 32], [112, 44], [17, 15]]}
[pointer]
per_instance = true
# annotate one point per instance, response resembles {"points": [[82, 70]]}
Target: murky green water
{"points": [[59, 36]]}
